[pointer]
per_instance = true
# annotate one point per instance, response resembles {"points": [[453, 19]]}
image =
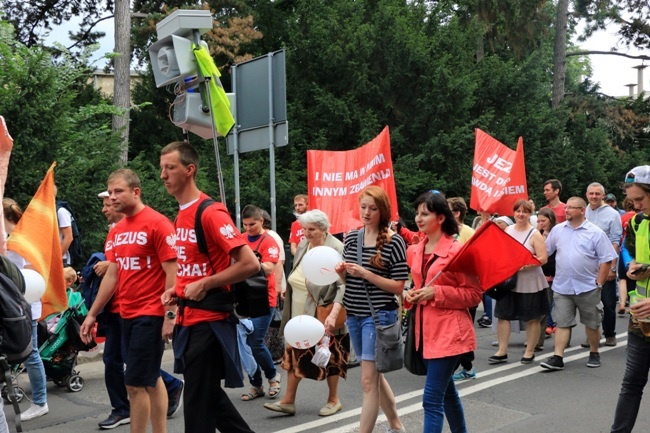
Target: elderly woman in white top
{"points": [[302, 297]]}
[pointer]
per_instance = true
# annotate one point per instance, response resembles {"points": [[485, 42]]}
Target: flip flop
{"points": [[254, 393]]}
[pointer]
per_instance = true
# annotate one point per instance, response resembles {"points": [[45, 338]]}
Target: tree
{"points": [[122, 76], [53, 115], [32, 21]]}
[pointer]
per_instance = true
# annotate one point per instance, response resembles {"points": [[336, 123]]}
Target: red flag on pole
{"points": [[492, 255], [336, 178], [498, 175]]}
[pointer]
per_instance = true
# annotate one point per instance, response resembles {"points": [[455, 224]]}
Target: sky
{"points": [[612, 72]]}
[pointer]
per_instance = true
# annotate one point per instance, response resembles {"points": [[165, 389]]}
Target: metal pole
{"points": [[235, 141], [205, 90], [271, 143]]}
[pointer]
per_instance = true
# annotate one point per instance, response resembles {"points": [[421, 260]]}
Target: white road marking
{"points": [[463, 390]]}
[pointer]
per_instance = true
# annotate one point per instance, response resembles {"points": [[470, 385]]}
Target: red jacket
{"points": [[448, 328]]}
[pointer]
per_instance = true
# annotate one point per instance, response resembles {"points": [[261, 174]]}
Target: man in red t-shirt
{"points": [[300, 205], [552, 190], [143, 264], [268, 253], [112, 325], [205, 337]]}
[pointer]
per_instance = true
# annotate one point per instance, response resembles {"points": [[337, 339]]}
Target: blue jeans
{"points": [[114, 356], [260, 352], [363, 334], [440, 397], [487, 305], [36, 371], [634, 380]]}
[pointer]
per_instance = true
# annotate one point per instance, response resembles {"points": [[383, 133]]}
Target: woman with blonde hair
{"points": [[379, 279]]}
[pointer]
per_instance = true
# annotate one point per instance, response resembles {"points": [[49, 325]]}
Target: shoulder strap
{"points": [[198, 226], [360, 263], [260, 242], [528, 235]]}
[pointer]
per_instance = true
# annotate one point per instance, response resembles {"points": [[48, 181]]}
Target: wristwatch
{"points": [[170, 314], [599, 286]]}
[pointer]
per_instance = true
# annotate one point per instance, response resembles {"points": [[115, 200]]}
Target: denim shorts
{"points": [[362, 332], [144, 349]]}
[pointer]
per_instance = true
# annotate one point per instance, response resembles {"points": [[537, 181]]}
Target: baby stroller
{"points": [[59, 345]]}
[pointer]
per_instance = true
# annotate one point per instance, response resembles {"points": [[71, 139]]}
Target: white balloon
{"points": [[303, 332], [318, 265], [34, 285]]}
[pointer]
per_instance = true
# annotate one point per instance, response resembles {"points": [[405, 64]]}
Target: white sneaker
{"points": [[389, 429], [34, 411]]}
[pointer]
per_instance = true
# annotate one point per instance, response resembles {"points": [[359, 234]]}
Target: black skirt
{"points": [[522, 306]]}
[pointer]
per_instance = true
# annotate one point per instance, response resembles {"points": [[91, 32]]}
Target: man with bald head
{"points": [[583, 260]]}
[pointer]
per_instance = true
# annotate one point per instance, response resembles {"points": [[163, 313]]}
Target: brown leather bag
{"points": [[322, 311]]}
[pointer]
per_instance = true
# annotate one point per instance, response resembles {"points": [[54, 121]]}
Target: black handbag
{"points": [[276, 320], [502, 290], [413, 360]]}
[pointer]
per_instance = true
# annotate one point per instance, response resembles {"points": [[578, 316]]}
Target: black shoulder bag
{"points": [[248, 298]]}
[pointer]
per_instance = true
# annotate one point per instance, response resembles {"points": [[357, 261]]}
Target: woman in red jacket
{"points": [[442, 315]]}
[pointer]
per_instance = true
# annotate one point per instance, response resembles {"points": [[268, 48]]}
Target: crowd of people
{"points": [[158, 281]]}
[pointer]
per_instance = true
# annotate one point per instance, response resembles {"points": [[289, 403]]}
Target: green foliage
{"points": [[53, 115], [431, 71]]}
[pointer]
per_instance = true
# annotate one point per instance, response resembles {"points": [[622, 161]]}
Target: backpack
{"points": [[15, 317], [75, 247], [15, 329]]}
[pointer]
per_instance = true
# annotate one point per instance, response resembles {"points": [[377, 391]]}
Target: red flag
{"points": [[335, 179], [492, 255], [498, 175]]}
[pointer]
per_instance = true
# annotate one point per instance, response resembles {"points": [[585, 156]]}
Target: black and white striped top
{"points": [[394, 258]]}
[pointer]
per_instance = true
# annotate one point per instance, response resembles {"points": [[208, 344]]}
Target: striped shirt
{"points": [[393, 256]]}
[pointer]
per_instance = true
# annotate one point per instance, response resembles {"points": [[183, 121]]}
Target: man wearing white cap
{"points": [[637, 188]]}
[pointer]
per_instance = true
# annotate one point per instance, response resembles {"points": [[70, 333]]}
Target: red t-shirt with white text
{"points": [[297, 233], [221, 237], [270, 252], [114, 305], [141, 243]]}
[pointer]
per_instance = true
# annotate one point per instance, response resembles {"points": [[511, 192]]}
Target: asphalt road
{"points": [[509, 398]]}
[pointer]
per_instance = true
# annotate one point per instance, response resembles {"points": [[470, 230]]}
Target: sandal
{"points": [[274, 390], [254, 393]]}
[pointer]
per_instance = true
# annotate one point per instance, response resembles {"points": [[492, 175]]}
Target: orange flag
{"points": [[36, 239]]}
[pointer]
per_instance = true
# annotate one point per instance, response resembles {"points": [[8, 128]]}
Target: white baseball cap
{"points": [[640, 174], [103, 194]]}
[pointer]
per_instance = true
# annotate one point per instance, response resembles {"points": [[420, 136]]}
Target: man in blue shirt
{"points": [[583, 260], [609, 221]]}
